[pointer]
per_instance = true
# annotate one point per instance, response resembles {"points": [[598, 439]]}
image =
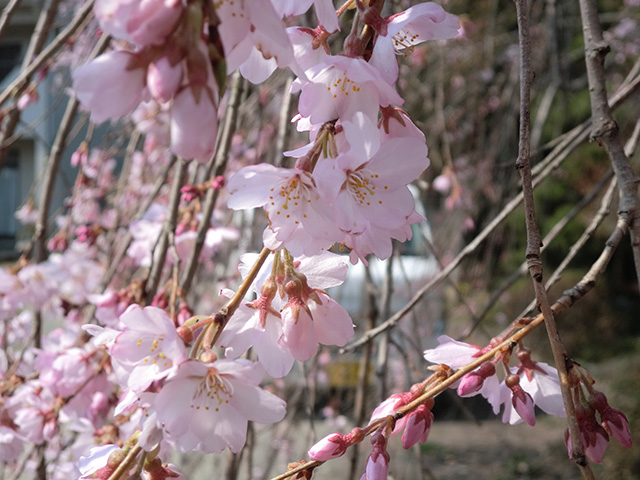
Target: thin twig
{"points": [[604, 128], [603, 211], [36, 42], [546, 241], [534, 240], [48, 52], [159, 253], [568, 299], [7, 12], [53, 165], [218, 166], [571, 140]]}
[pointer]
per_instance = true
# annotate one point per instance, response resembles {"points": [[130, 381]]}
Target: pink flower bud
{"points": [[331, 446], [418, 425], [613, 421], [521, 400], [163, 79], [194, 125], [594, 437], [473, 381], [378, 462]]}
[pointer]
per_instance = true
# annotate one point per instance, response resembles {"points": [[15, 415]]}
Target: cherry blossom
{"points": [[325, 11], [194, 124], [206, 406], [258, 325], [333, 445], [164, 79], [146, 22], [96, 463], [11, 444], [291, 199], [109, 86], [254, 38], [149, 348], [452, 352], [594, 438], [377, 467], [344, 87], [402, 31], [418, 425]]}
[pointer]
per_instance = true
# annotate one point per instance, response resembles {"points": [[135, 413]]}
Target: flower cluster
{"points": [[350, 184], [524, 386], [145, 376], [292, 314]]}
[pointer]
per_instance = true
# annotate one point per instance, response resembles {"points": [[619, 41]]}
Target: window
{"points": [[9, 198], [9, 58]]}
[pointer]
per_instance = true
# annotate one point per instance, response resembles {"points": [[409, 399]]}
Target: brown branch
{"points": [[534, 240], [36, 42], [48, 52], [217, 167], [53, 164], [604, 128], [602, 212], [568, 299], [7, 13], [546, 241], [159, 253], [570, 141]]}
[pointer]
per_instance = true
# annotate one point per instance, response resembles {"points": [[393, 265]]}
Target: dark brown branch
{"points": [[604, 128], [534, 240]]}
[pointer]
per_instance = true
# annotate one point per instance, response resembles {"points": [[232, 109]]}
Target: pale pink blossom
{"points": [[206, 406], [258, 325], [418, 425], [377, 467], [145, 22], [543, 384], [424, 21], [291, 200], [453, 353], [472, 382], [521, 401], [310, 55], [374, 190], [96, 462], [34, 408], [343, 88], [325, 11], [163, 78], [194, 124], [149, 348], [331, 446], [11, 444], [153, 119], [594, 438], [109, 86], [254, 38]]}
